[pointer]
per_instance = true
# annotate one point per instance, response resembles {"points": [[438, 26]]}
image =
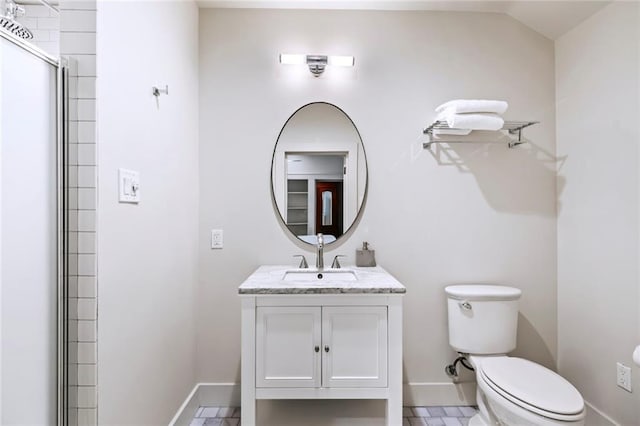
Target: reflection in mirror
{"points": [[326, 208], [319, 173]]}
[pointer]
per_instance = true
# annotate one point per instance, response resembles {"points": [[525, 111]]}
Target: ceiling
{"points": [[550, 18]]}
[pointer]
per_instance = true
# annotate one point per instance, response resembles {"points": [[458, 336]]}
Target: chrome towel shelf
{"points": [[511, 127]]}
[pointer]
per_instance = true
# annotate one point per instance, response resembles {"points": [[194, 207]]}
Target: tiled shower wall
{"points": [[44, 24], [78, 44]]}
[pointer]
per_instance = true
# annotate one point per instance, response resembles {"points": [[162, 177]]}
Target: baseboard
{"points": [[414, 394], [187, 410], [443, 393], [206, 395], [595, 417]]}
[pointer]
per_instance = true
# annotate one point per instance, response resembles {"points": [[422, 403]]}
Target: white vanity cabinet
{"points": [[321, 346], [302, 340]]}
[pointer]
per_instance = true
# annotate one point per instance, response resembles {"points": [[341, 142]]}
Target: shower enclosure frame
{"points": [[62, 306]]}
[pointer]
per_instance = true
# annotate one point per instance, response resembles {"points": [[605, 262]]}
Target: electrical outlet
{"points": [[216, 239], [624, 377]]}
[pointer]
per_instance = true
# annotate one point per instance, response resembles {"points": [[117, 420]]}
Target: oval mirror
{"points": [[319, 173]]}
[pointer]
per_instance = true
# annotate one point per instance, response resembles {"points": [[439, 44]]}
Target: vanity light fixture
{"points": [[316, 63]]}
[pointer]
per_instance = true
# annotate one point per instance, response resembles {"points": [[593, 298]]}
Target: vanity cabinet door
{"points": [[288, 346], [354, 346]]}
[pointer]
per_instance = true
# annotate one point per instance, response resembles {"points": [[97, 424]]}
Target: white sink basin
{"points": [[327, 275]]}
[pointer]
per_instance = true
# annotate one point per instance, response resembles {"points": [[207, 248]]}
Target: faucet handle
{"points": [[303, 261], [336, 262]]}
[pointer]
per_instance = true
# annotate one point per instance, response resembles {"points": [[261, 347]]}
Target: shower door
{"points": [[28, 234]]}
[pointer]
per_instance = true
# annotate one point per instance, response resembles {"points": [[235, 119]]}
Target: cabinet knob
{"points": [[317, 348], [326, 348]]}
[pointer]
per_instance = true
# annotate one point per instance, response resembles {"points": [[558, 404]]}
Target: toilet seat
{"points": [[536, 388]]}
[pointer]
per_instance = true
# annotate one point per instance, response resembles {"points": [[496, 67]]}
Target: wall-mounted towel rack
{"points": [[512, 127]]}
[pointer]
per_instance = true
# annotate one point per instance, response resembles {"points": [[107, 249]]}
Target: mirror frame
{"points": [[358, 215]]}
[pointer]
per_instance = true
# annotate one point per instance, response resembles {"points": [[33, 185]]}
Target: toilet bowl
{"points": [[511, 391], [516, 391]]}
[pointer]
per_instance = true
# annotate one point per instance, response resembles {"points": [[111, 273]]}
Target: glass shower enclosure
{"points": [[32, 290]]}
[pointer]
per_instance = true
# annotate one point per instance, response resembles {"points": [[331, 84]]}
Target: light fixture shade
{"points": [[341, 61], [316, 63], [292, 59]]}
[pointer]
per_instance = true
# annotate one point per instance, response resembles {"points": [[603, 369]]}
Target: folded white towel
{"points": [[479, 121], [455, 132], [461, 106]]}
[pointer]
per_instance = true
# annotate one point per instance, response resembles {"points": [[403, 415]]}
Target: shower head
{"points": [[9, 23]]}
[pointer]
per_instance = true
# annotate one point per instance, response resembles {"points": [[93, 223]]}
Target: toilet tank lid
{"points": [[482, 292]]}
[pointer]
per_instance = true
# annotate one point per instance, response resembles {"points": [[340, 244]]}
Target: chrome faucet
{"points": [[320, 252]]}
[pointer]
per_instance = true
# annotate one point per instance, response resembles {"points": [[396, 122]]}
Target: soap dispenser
{"points": [[365, 257]]}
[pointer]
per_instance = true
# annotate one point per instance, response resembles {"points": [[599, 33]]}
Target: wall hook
{"points": [[156, 92]]}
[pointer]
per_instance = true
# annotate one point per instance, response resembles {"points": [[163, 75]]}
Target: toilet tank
{"points": [[483, 319]]}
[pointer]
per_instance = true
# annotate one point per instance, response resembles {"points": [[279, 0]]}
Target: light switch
{"points": [[128, 186], [216, 239]]}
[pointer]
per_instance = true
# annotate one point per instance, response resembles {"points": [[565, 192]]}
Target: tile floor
{"points": [[423, 416]]}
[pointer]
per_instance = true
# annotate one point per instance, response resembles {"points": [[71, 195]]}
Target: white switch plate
{"points": [[624, 377], [216, 239], [128, 186]]}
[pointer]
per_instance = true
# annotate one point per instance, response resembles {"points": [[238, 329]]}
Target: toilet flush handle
{"points": [[465, 305]]}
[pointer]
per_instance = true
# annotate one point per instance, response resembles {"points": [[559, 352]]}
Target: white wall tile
{"points": [[73, 286], [77, 43], [86, 353], [36, 11], [72, 154], [86, 110], [87, 264], [86, 309], [72, 198], [72, 176], [86, 154], [86, 242], [73, 314], [48, 23], [86, 65], [78, 20], [73, 220], [73, 106], [86, 88], [86, 198], [87, 132], [40, 35], [87, 287], [87, 397], [86, 220], [77, 5], [87, 417], [72, 395], [86, 331], [28, 22], [86, 374], [86, 176], [72, 330], [72, 265], [72, 240], [72, 126]]}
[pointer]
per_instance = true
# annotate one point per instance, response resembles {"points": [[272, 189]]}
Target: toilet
{"points": [[511, 391]]}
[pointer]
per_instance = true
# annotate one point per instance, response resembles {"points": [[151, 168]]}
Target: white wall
{"points": [[598, 111], [490, 218], [147, 254]]}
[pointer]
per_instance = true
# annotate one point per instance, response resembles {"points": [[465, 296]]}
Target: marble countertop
{"points": [[268, 279]]}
